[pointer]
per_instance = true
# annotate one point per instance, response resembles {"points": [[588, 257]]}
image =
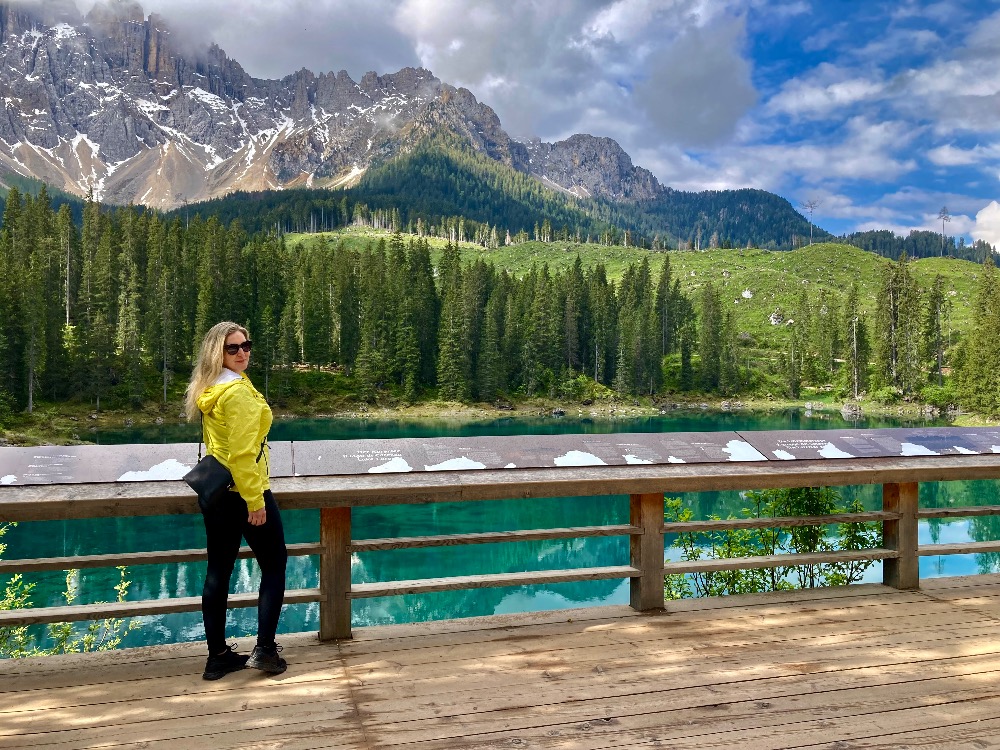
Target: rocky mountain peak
{"points": [[115, 103], [108, 15]]}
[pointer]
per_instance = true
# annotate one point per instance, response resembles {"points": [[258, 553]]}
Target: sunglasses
{"points": [[231, 349]]}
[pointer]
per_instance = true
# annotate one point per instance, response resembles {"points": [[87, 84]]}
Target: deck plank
{"points": [[860, 667]]}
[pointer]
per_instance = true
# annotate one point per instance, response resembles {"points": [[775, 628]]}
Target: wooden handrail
{"points": [[117, 499], [775, 522], [116, 560], [455, 583], [106, 610], [958, 548], [494, 537], [644, 484], [778, 561], [966, 512]]}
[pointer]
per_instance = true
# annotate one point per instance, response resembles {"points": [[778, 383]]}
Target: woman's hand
{"points": [[258, 517]]}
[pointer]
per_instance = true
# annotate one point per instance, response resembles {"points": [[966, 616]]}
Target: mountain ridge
{"points": [[108, 103]]}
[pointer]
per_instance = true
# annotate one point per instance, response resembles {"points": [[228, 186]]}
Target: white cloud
{"points": [[274, 38], [898, 43], [861, 150], [827, 89], [783, 10], [698, 88], [958, 95], [532, 62], [957, 78], [640, 71], [942, 12], [950, 156], [985, 35], [956, 226], [834, 205], [988, 224]]}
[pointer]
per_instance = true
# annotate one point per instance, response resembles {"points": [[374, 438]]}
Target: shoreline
{"points": [[73, 425]]}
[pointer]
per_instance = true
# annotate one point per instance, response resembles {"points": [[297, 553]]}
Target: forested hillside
{"points": [[918, 244], [439, 181], [110, 313], [718, 218]]}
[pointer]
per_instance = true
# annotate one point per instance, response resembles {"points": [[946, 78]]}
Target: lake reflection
{"points": [[111, 535]]}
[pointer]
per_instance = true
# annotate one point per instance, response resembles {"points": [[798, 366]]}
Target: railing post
{"points": [[646, 551], [335, 573], [904, 571]]}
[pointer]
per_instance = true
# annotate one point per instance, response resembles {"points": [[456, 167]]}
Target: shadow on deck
{"points": [[856, 667]]}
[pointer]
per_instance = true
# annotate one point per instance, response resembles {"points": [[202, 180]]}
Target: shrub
{"points": [[886, 395], [939, 396], [98, 635], [803, 501]]}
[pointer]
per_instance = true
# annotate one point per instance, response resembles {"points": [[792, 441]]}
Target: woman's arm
{"points": [[242, 413]]}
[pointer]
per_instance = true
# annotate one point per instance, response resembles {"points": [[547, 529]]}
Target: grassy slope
{"points": [[774, 278]]}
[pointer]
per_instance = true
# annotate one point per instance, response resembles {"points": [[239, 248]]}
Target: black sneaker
{"points": [[266, 659], [224, 663]]}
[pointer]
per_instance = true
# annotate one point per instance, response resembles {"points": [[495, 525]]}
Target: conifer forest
{"points": [[110, 311]]}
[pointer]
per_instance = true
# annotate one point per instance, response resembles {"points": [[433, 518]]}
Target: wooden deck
{"points": [[859, 667]]}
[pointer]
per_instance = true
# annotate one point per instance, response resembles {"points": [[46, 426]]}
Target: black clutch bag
{"points": [[210, 479]]}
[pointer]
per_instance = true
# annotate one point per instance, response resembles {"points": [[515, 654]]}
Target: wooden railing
{"points": [[335, 496]]}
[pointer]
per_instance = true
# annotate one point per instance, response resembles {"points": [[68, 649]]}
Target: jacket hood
{"points": [[211, 395]]}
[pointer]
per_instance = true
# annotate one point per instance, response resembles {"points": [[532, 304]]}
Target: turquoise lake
{"points": [[116, 535]]}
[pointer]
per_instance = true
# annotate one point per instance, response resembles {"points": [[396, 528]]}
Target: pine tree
{"points": [[67, 364], [424, 308], [160, 311], [182, 249], [979, 366], [541, 353], [408, 353], [127, 334], [32, 297], [856, 348], [601, 294], [826, 335], [477, 283], [377, 302], [577, 318], [710, 337], [55, 284], [490, 380], [453, 354], [805, 338], [12, 322], [348, 323], [665, 308], [212, 295], [933, 340], [98, 342], [687, 334], [730, 376], [794, 359], [265, 259], [897, 355]]}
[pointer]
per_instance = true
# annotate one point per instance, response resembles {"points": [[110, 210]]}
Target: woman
{"points": [[236, 419]]}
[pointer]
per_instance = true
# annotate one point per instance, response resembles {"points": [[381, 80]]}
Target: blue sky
{"points": [[879, 112]]}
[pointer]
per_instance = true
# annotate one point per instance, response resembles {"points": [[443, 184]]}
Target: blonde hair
{"points": [[208, 366]]}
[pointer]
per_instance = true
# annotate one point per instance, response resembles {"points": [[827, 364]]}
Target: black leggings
{"points": [[225, 527]]}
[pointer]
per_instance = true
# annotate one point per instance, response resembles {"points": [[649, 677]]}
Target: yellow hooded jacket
{"points": [[237, 419]]}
